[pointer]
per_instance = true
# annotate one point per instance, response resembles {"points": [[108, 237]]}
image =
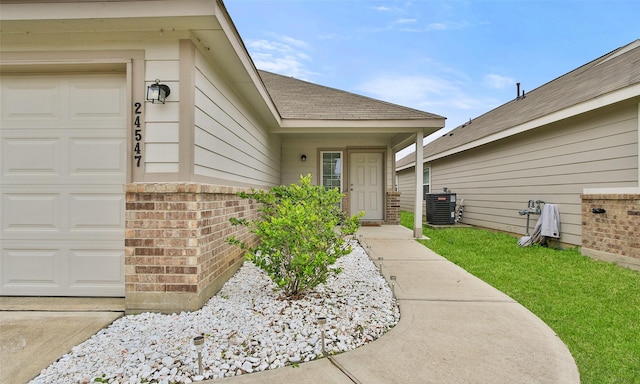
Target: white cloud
{"points": [[447, 25], [406, 21], [284, 55], [495, 81], [442, 94]]}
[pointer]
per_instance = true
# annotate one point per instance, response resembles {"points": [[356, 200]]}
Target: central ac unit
{"points": [[441, 208]]}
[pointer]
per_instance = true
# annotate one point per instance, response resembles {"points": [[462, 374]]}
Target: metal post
{"points": [[198, 341], [322, 321]]}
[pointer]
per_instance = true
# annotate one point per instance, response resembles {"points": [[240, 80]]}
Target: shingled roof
{"points": [[613, 71], [298, 99]]}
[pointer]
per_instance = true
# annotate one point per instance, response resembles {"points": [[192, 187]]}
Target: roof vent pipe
{"points": [[517, 90]]}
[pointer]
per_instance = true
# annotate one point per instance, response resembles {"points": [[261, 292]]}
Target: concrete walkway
{"points": [[454, 328]]}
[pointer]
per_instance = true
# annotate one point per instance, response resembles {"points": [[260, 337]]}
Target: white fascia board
{"points": [[598, 102], [289, 125], [106, 9]]}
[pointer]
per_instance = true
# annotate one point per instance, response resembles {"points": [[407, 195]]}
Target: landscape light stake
{"points": [[198, 341], [322, 321], [393, 285]]}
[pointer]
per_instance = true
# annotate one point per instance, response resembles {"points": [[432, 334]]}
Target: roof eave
{"points": [[372, 125], [617, 96]]}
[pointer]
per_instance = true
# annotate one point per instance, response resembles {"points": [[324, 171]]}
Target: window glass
{"points": [[426, 182], [332, 170]]}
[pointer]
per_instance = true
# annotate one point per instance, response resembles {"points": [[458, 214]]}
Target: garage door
{"points": [[63, 166]]}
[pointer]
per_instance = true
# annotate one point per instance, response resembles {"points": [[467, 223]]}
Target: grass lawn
{"points": [[593, 306]]}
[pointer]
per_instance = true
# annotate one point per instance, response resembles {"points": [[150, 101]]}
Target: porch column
{"points": [[417, 213]]}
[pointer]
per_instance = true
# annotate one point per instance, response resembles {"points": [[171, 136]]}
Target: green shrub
{"points": [[302, 232]]}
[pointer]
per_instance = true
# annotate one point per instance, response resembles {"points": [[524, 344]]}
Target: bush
{"points": [[302, 232]]}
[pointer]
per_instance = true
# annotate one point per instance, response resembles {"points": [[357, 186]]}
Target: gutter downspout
{"points": [[417, 213]]}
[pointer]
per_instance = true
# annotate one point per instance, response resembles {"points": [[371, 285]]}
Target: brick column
{"points": [[176, 255], [613, 235], [393, 208]]}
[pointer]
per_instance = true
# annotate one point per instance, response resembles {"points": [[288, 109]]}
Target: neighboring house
{"points": [[571, 142], [104, 193]]}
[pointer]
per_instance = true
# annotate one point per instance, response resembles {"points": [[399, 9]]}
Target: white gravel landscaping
{"points": [[247, 328]]}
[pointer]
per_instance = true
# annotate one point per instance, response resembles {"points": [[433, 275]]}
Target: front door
{"points": [[366, 185]]}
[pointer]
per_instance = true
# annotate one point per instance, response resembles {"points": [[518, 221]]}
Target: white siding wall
{"points": [[553, 164], [230, 144]]}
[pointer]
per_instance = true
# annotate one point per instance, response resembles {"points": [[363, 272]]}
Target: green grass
{"points": [[593, 306]]}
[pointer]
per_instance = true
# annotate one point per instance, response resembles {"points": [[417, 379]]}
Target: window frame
{"points": [[322, 173], [426, 187]]}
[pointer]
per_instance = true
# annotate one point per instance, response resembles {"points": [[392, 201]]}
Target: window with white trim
{"points": [[331, 169], [426, 181]]}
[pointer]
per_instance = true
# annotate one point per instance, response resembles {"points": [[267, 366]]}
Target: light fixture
{"points": [[322, 322], [198, 341], [303, 158], [157, 92]]}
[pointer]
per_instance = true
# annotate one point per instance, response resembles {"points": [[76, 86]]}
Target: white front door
{"points": [[366, 185], [62, 171]]}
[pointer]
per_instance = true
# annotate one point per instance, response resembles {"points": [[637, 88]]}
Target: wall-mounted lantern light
{"points": [[157, 92], [303, 158]]}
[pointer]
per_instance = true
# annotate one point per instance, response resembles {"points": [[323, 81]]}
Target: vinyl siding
{"points": [[161, 120], [230, 145], [553, 164], [294, 147], [406, 187]]}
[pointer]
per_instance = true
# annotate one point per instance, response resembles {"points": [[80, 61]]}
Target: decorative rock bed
{"points": [[247, 328]]}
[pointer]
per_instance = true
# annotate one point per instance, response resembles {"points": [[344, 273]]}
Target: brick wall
{"points": [[393, 208], [615, 234], [176, 255]]}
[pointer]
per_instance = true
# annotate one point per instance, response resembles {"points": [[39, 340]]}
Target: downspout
{"points": [[417, 214]]}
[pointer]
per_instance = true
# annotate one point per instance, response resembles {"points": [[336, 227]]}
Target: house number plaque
{"points": [[137, 133]]}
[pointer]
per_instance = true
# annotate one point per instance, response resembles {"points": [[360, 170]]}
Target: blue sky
{"points": [[457, 59]]}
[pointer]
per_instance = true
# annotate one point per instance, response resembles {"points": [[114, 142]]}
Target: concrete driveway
{"points": [[36, 331]]}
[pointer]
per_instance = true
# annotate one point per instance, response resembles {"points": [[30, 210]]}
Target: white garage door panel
{"points": [[30, 99], [96, 212], [32, 212], [30, 157], [96, 267], [91, 156], [31, 266], [63, 166], [74, 213], [57, 269]]}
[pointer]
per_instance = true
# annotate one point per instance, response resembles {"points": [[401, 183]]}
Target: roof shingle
{"points": [[298, 99]]}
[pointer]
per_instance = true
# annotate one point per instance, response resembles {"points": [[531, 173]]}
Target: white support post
{"points": [[417, 214]]}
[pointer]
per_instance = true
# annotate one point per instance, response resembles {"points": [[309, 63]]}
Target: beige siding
{"points": [[407, 189], [161, 130], [230, 145], [294, 147], [553, 164]]}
